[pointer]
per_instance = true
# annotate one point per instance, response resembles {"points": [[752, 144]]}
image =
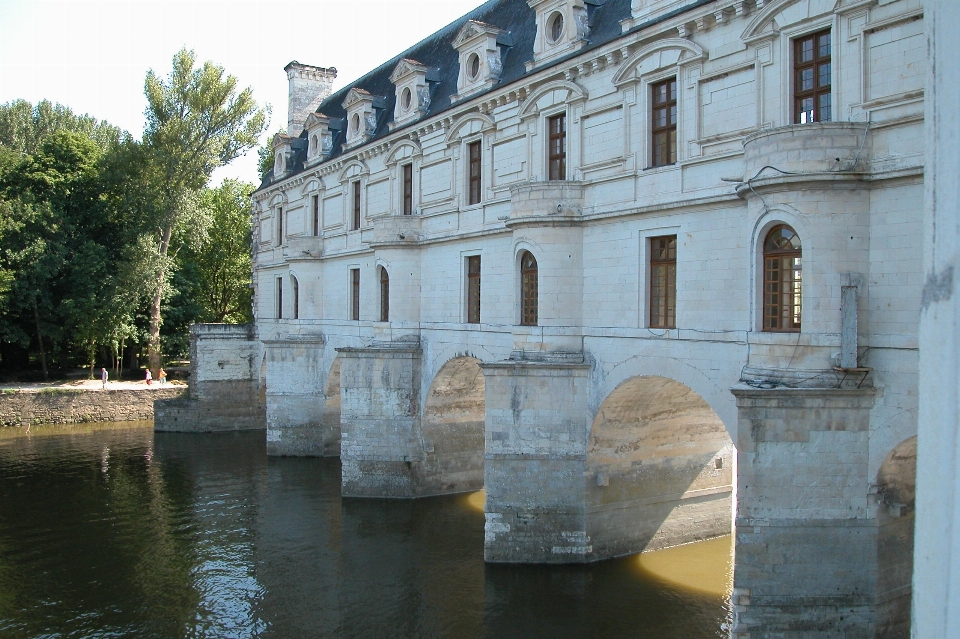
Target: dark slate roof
{"points": [[517, 22]]}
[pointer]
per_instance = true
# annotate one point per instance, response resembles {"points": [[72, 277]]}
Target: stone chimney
{"points": [[308, 86]]}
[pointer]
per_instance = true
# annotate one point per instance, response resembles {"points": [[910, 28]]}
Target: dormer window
{"points": [[413, 93], [480, 62], [555, 27], [361, 116], [562, 28], [320, 140], [282, 155]]}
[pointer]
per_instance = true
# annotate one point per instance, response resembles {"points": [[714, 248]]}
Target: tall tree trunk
{"points": [[43, 354], [153, 341]]}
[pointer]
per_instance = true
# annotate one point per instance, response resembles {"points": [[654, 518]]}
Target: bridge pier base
{"points": [[295, 399], [806, 541], [537, 422]]}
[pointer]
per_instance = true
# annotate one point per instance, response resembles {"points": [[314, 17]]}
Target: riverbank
{"points": [[82, 401]]}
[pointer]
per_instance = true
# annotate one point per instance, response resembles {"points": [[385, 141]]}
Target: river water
{"points": [[113, 531]]}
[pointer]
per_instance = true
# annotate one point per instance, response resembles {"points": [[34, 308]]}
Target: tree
{"points": [[196, 122], [24, 127], [223, 261]]}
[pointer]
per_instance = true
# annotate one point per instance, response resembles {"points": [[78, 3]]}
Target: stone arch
{"points": [[403, 150], [485, 121], [331, 410], [689, 52], [659, 469], [452, 427], [354, 168], [762, 22], [896, 502], [574, 93], [714, 391]]}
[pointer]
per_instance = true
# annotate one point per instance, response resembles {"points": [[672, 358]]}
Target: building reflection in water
{"points": [[204, 536]]}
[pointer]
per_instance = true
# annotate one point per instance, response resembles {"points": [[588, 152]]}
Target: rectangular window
{"points": [[663, 281], [384, 295], [356, 205], [408, 189], [663, 122], [473, 289], [355, 294], [279, 298], [316, 215], [474, 187], [557, 126], [279, 226], [296, 298], [812, 78]]}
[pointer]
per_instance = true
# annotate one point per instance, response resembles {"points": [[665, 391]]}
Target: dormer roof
{"points": [[518, 30]]}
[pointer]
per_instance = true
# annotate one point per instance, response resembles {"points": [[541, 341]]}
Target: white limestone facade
{"points": [[602, 415]]}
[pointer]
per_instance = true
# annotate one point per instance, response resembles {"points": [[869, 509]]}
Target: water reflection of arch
{"points": [[452, 427], [896, 487], [331, 410], [659, 468]]}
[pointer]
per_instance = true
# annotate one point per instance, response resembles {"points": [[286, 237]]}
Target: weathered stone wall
{"points": [[73, 406], [224, 383], [804, 511]]}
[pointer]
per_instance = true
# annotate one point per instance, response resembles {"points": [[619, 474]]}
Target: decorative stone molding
{"points": [[480, 64]]}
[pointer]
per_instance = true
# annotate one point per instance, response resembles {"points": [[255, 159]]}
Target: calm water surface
{"points": [[114, 531]]}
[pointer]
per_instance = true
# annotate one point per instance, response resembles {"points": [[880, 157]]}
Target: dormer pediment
{"points": [[472, 30], [407, 67], [355, 96]]}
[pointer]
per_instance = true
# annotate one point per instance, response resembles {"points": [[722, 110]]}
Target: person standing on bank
{"points": [[103, 377], [149, 377], [162, 376]]}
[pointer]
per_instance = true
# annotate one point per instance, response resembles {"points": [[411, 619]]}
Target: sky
{"points": [[93, 55]]}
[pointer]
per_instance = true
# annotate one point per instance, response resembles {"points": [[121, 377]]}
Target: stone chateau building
{"points": [[644, 270]]}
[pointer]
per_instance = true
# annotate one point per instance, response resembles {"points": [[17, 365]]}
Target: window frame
{"points": [[356, 204], [315, 204], [657, 317], [406, 181], [384, 295], [355, 294], [529, 290], [295, 283], [474, 172], [279, 297], [670, 127], [794, 305], [557, 161], [473, 287], [280, 236], [817, 92]]}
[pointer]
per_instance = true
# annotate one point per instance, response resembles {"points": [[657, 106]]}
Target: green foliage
{"points": [[100, 233], [24, 127], [223, 261]]}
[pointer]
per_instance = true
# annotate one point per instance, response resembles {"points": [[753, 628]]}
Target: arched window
{"points": [[528, 289], [384, 295], [296, 297], [782, 290]]}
